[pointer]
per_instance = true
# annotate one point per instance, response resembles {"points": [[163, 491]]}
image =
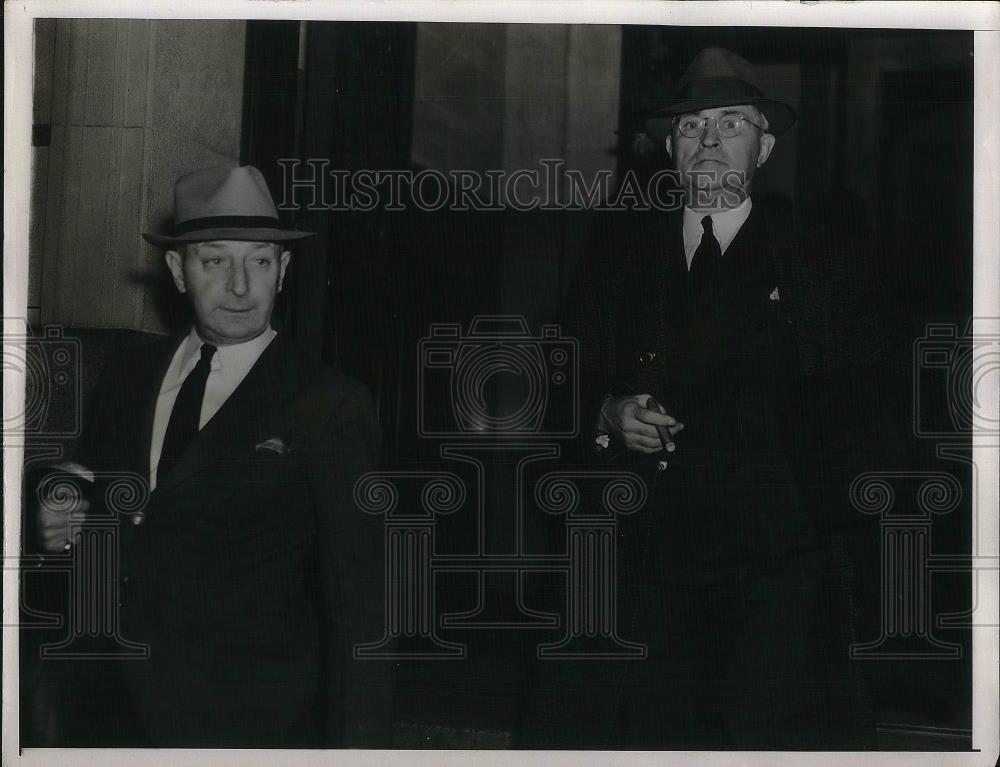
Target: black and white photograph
{"points": [[531, 383]]}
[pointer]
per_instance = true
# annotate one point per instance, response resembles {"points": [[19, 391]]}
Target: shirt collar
{"points": [[725, 224], [232, 355]]}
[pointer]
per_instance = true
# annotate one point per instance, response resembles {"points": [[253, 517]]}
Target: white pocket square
{"points": [[774, 295], [273, 445]]}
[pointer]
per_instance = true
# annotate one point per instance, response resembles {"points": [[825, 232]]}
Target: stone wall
{"points": [[121, 108]]}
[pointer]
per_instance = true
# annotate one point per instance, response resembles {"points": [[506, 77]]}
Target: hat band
{"points": [[226, 222], [714, 88]]}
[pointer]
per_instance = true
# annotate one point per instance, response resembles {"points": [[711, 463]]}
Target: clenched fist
{"points": [[60, 498]]}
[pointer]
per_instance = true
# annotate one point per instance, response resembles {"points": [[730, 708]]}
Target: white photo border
{"points": [[983, 18]]}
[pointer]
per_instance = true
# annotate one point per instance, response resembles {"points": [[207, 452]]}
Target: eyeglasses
{"points": [[728, 125]]}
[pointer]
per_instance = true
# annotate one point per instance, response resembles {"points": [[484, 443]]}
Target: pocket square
{"points": [[774, 295], [273, 445]]}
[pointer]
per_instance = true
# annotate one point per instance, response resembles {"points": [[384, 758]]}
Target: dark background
{"points": [[354, 106]]}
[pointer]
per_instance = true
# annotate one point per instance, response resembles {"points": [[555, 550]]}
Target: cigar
{"points": [[665, 439]]}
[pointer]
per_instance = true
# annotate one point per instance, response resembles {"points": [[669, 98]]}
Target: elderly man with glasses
{"points": [[714, 346]]}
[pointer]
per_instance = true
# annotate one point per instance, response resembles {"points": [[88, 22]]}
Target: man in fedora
{"points": [[250, 574], [719, 350]]}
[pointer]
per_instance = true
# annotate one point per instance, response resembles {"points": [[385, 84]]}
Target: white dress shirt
{"points": [[725, 225], [230, 365]]}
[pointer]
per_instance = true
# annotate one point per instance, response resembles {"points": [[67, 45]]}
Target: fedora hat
{"points": [[224, 204], [719, 78]]}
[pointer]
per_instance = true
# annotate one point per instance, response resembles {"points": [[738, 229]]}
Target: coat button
{"points": [[138, 518], [646, 357]]}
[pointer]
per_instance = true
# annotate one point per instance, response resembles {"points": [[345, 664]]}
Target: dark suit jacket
{"points": [[770, 379], [252, 573], [811, 357]]}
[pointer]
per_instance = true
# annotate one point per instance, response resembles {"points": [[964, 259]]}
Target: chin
{"points": [[707, 178], [704, 195], [235, 333]]}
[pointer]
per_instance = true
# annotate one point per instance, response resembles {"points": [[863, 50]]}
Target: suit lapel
{"points": [[650, 302], [713, 327], [160, 358], [241, 421]]}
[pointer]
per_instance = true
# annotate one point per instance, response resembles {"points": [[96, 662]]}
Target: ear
{"points": [[766, 145], [286, 256], [175, 263]]}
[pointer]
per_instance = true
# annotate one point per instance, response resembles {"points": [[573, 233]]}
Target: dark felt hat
{"points": [[719, 78], [224, 204]]}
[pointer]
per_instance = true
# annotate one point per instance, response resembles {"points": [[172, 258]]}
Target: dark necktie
{"points": [[183, 424], [707, 259]]}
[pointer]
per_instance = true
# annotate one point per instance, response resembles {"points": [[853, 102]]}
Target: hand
{"points": [[639, 424], [55, 510]]}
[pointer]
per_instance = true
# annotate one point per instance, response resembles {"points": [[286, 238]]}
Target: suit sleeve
{"points": [[600, 312], [360, 692]]}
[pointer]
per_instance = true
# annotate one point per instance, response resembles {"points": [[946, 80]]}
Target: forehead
{"points": [[234, 247], [746, 109]]}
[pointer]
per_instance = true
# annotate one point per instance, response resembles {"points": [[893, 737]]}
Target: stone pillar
{"points": [[123, 106]]}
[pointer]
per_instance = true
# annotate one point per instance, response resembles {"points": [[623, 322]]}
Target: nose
{"points": [[238, 279], [710, 136]]}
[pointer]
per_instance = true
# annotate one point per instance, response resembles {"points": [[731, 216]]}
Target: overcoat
{"points": [[730, 575]]}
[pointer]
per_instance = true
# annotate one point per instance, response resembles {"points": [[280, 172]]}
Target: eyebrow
{"points": [[727, 112]]}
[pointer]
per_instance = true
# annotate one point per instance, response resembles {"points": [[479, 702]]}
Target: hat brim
{"points": [[780, 116], [243, 235]]}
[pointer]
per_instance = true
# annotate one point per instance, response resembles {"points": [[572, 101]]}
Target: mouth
{"points": [[229, 310]]}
